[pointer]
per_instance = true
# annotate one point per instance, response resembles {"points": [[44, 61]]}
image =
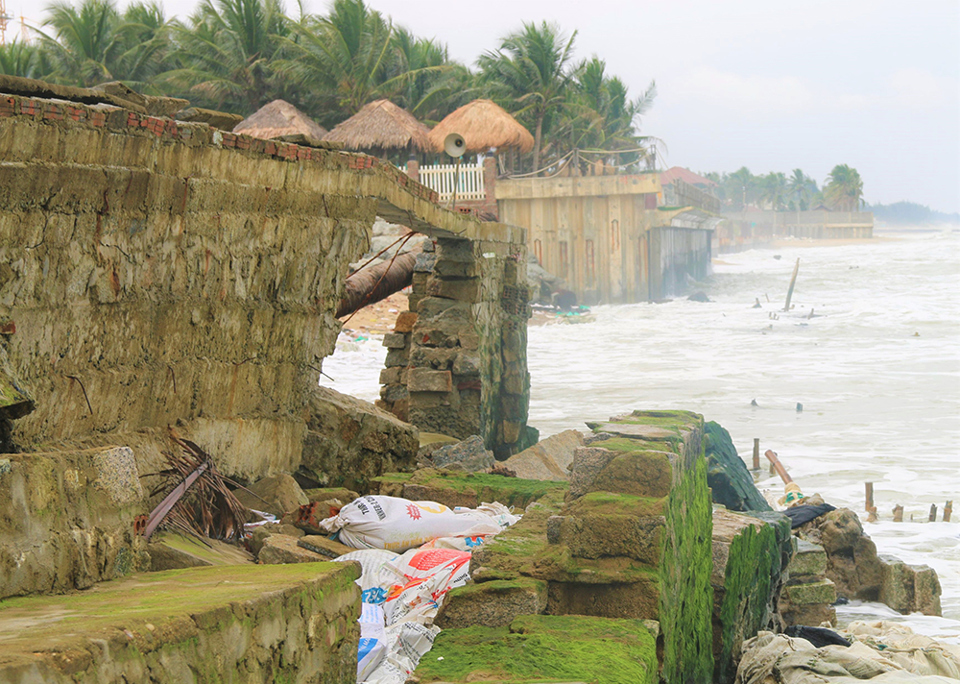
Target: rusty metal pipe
{"points": [[778, 466]]}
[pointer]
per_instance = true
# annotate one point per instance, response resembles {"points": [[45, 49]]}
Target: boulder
{"points": [[548, 459], [277, 495], [470, 455]]}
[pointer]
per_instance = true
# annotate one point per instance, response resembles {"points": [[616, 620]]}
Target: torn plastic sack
{"points": [[392, 523], [409, 641], [423, 578], [374, 580], [373, 640]]}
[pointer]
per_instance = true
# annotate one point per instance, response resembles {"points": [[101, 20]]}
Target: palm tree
{"points": [[802, 188], [344, 58], [529, 74], [844, 188], [225, 53], [740, 186], [23, 59], [86, 44], [773, 190]]}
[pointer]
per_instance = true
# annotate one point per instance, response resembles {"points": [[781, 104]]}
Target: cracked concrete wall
{"points": [[155, 273]]}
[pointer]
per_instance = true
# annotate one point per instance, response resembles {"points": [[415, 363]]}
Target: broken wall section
{"points": [[157, 271], [457, 362]]}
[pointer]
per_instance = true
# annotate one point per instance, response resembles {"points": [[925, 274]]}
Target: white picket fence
{"points": [[441, 178]]}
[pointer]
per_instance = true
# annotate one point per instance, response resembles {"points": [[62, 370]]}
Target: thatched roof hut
{"points": [[280, 119], [381, 125], [483, 124]]}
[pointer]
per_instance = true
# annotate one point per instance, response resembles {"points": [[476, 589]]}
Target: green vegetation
{"points": [[842, 190], [237, 55], [545, 648]]}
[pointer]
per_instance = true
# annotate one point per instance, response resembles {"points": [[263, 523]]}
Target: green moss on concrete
{"points": [[730, 482], [752, 567], [158, 598], [686, 600], [607, 503], [510, 491], [545, 648]]}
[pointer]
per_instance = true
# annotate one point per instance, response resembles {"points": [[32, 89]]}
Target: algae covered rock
{"points": [[544, 648], [492, 604], [730, 482]]}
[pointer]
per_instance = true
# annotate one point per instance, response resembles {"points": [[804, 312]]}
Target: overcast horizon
{"points": [[770, 86]]}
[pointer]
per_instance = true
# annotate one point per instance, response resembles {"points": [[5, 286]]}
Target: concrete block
{"points": [[424, 380], [323, 546], [823, 591], [548, 459], [492, 604], [464, 290], [394, 340], [809, 560], [281, 548], [405, 322]]}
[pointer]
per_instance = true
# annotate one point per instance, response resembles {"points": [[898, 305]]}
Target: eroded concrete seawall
{"points": [[158, 272]]}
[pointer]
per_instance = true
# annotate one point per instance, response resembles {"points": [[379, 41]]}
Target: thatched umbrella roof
{"points": [[381, 125], [483, 124], [279, 119]]}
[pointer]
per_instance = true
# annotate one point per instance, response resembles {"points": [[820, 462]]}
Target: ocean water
{"points": [[877, 370]]}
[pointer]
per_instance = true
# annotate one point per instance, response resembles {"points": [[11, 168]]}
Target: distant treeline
{"points": [[910, 213], [842, 191]]}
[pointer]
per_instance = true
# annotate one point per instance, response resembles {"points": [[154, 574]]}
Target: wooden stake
{"points": [[870, 508], [756, 453], [933, 513], [778, 466], [947, 510], [793, 281], [898, 513]]}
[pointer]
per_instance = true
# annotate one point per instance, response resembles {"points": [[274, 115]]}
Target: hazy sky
{"points": [[766, 84]]}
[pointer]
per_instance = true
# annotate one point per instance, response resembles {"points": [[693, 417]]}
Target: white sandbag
{"points": [[408, 642], [373, 640], [387, 522], [422, 578], [374, 581]]}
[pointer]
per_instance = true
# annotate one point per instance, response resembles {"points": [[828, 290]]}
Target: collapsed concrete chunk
{"points": [[548, 459], [279, 549], [454, 489], [749, 568], [276, 495], [349, 442], [241, 623], [169, 551], [631, 541], [730, 482], [470, 455], [67, 520]]}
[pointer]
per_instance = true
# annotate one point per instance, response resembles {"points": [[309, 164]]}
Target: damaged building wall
{"points": [[457, 360]]}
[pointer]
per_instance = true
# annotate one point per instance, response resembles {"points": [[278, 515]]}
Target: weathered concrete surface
{"points": [[749, 568], [548, 459], [295, 623], [171, 551], [808, 595], [277, 494], [66, 520], [160, 272]]}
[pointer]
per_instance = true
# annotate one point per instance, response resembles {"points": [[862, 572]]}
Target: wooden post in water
{"points": [[778, 466], [898, 513], [793, 281], [947, 510], [871, 509], [933, 513], [756, 453]]}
